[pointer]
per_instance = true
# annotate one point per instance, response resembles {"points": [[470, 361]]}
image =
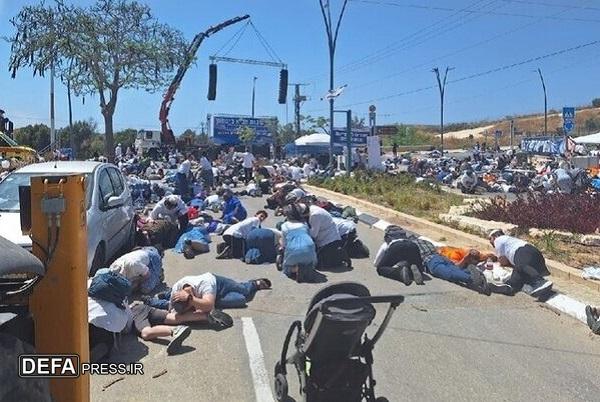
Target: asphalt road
{"points": [[444, 343]]}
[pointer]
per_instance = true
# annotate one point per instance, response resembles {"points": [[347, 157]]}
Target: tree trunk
{"points": [[109, 148]]}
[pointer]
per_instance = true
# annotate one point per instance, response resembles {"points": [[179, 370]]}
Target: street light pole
{"points": [[442, 87], [545, 102], [253, 94], [332, 35]]}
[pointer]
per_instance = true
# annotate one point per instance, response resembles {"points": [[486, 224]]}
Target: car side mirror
{"points": [[113, 202]]}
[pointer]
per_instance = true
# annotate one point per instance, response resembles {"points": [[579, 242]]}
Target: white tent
{"points": [[588, 139], [313, 139]]}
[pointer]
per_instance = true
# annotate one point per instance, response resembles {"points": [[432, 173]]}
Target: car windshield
{"points": [[9, 190]]}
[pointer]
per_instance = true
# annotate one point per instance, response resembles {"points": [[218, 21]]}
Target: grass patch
{"points": [[400, 192]]}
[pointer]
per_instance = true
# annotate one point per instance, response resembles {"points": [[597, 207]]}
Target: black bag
{"points": [[357, 249], [394, 232]]}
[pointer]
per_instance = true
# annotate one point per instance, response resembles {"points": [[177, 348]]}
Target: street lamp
{"points": [[545, 102], [332, 35], [442, 86], [253, 93]]}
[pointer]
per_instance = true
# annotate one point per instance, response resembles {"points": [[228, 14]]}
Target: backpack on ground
{"points": [[111, 287]]}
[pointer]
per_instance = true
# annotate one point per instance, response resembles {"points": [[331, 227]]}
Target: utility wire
{"points": [[539, 3], [476, 75], [418, 41], [504, 14], [429, 62], [399, 42]]}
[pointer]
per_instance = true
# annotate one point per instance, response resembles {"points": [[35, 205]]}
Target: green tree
{"points": [[100, 49], [311, 124], [82, 132], [246, 135], [126, 138], [596, 102], [35, 136]]}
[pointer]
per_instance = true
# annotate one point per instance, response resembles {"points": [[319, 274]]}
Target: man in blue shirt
{"points": [[233, 210]]}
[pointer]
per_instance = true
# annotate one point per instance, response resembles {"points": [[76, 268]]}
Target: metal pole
{"points": [[512, 134], [348, 140], [442, 87], [52, 130], [253, 94], [297, 109], [545, 103]]}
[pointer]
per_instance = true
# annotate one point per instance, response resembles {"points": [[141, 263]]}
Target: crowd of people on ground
{"points": [[494, 171], [187, 203]]}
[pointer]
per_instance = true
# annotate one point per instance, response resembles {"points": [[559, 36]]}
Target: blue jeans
{"points": [[232, 294], [155, 268], [441, 267], [161, 301]]}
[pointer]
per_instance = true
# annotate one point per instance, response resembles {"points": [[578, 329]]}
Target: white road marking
{"points": [[262, 390], [381, 224], [569, 306]]}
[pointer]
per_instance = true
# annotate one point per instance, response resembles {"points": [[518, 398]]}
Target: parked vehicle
{"points": [[110, 211]]}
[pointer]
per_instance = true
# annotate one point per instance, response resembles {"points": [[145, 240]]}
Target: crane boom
{"points": [[167, 136]]}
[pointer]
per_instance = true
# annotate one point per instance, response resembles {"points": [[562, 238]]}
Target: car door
{"points": [[107, 214], [123, 215]]}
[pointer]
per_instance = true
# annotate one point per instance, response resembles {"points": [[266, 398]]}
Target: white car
{"points": [[110, 209]]}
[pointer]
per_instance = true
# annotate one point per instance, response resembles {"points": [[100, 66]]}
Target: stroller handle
{"points": [[394, 300]]}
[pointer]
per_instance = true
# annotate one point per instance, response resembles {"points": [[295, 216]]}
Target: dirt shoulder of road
{"points": [[565, 277]]}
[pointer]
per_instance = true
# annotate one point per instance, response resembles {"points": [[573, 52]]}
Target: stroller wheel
{"points": [[381, 399], [281, 387]]}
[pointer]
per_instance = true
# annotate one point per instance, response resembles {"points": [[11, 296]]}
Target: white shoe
{"points": [[179, 334]]}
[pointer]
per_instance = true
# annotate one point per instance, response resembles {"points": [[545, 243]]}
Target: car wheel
{"points": [[98, 261]]}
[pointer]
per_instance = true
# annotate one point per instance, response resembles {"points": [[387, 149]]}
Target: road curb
{"points": [[561, 302]]}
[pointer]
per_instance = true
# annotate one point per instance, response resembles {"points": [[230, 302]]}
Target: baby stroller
{"points": [[332, 362]]}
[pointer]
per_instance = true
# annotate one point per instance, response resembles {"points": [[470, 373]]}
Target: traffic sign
{"points": [[372, 108], [568, 113], [568, 119]]}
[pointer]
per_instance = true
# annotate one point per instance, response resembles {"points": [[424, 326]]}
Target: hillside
{"points": [[587, 121]]}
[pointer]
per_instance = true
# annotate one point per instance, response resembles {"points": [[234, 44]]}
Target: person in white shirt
{"points": [[529, 265], [118, 151], [173, 209], [248, 165], [296, 173], [307, 170], [207, 172], [324, 232], [181, 178], [235, 236], [143, 268]]}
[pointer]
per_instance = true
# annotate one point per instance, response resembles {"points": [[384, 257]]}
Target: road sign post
{"points": [[568, 124]]}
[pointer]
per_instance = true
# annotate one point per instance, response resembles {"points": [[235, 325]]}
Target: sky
{"points": [[385, 53]]}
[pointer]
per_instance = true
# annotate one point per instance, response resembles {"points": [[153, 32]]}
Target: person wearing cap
{"points": [[235, 236], [233, 210], [529, 265], [173, 209]]}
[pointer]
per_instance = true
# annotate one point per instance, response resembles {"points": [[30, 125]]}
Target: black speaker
{"points": [[212, 82], [283, 85]]}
